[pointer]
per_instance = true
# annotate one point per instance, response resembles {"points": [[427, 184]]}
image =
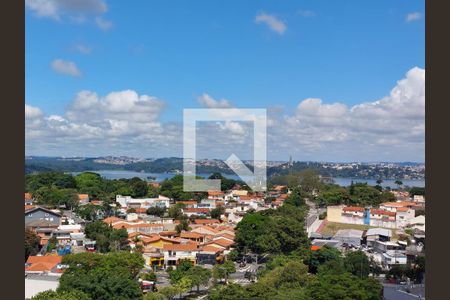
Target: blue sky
{"points": [[347, 52]]}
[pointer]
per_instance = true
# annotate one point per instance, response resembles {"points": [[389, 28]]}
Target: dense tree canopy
{"points": [[107, 238], [31, 243], [274, 231], [104, 277]]}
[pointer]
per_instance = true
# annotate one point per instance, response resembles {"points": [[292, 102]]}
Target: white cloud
{"points": [[415, 16], [209, 102], [78, 11], [83, 49], [120, 120], [272, 22], [65, 67], [363, 130], [126, 123], [306, 13], [56, 8], [103, 24]]}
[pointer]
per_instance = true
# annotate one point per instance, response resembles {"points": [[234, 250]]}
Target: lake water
{"points": [[111, 174]]}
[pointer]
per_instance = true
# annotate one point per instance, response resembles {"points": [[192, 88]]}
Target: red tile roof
{"points": [[206, 221], [353, 208], [222, 242], [382, 212], [43, 263], [191, 235], [215, 193], [181, 247], [196, 210], [28, 196], [212, 249], [112, 220]]}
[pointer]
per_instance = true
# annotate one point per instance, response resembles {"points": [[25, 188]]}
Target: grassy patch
{"points": [[331, 228]]}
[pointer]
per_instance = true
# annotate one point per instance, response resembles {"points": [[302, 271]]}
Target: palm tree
{"points": [[399, 183]]}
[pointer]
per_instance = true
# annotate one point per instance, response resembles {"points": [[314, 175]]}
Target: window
{"points": [[30, 215], [46, 214]]}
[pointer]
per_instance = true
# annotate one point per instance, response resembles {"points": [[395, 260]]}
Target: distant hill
{"points": [[383, 170]]}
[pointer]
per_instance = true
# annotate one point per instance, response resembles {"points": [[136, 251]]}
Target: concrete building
{"points": [[351, 237]]}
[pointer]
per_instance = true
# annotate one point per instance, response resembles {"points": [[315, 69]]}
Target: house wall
{"points": [[350, 219], [334, 214], [42, 215], [375, 222]]}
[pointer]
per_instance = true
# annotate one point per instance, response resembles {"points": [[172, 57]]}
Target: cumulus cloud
{"points": [[209, 102], [65, 67], [272, 22], [83, 49], [397, 120], [306, 13], [103, 24], [126, 123], [77, 11], [414, 16], [56, 8], [115, 121]]}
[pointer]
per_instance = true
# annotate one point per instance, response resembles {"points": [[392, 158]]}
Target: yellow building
{"points": [[334, 213]]}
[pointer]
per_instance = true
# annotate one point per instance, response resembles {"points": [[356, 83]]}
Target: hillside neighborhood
{"points": [[207, 234]]}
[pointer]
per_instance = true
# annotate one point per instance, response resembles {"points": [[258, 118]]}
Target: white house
{"points": [[394, 258], [127, 201], [176, 252]]}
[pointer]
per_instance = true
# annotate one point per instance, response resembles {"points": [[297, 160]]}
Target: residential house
{"points": [[403, 216], [129, 202], [377, 234], [40, 217], [176, 252], [390, 258], [209, 255], [28, 199], [417, 223], [216, 195], [351, 237], [353, 215], [43, 264], [206, 221], [139, 227], [83, 199], [383, 218], [193, 236], [201, 212]]}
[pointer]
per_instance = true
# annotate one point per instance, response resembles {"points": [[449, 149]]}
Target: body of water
{"points": [[112, 174]]}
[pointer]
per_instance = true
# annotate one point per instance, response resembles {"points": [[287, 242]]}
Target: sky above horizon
{"points": [[341, 80]]}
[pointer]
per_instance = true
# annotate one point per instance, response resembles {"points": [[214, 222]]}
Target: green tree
{"points": [[175, 211], [64, 295], [139, 188], [89, 183], [321, 256], [357, 263], [169, 291], [154, 296], [103, 276], [217, 212], [199, 276], [223, 271], [32, 242], [156, 211], [183, 226], [343, 287], [184, 285], [151, 276]]}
